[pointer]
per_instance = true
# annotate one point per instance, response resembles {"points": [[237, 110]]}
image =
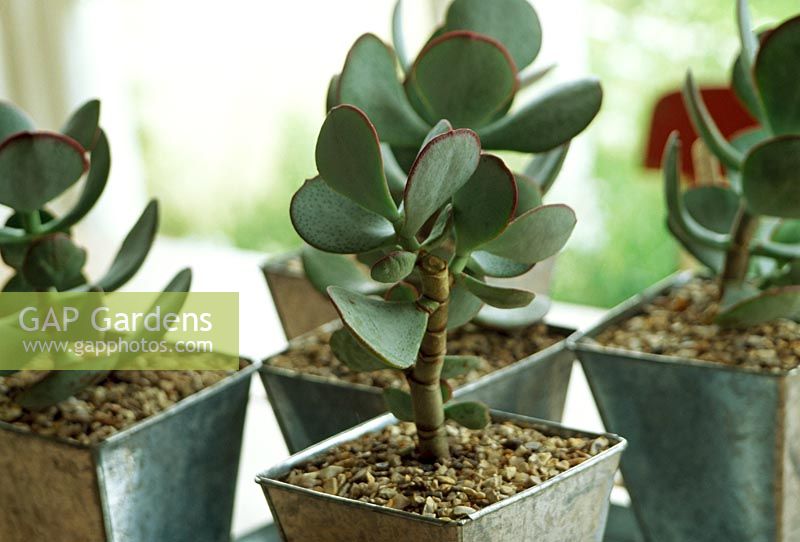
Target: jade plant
{"points": [[470, 73], [746, 229], [36, 167], [462, 217]]}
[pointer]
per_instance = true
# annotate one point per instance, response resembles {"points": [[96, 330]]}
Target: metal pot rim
{"points": [[518, 365], [269, 477], [278, 263], [188, 402], [583, 341]]}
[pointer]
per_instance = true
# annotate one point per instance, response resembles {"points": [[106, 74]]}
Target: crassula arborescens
{"points": [[747, 228], [471, 72], [35, 168], [460, 219]]}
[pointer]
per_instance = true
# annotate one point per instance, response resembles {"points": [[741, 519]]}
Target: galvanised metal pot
{"points": [[569, 507], [301, 308], [310, 408], [171, 477], [714, 450]]}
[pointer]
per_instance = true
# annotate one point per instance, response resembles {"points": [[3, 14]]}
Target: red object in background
{"points": [[670, 114]]}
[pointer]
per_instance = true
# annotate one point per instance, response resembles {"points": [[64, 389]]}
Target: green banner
{"points": [[70, 331]]}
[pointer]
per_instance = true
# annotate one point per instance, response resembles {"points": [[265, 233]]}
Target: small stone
{"points": [[430, 507], [330, 472], [463, 511]]}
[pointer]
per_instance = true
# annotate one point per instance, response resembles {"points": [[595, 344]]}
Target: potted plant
{"points": [[470, 478], [470, 72], [700, 372], [93, 455], [479, 42]]}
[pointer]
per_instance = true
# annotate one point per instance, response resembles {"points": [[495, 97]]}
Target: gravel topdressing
{"points": [[98, 412], [497, 348], [681, 323], [486, 467]]}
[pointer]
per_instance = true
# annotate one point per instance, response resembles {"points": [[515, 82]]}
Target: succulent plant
{"points": [[36, 167], [462, 218], [747, 229], [469, 73]]}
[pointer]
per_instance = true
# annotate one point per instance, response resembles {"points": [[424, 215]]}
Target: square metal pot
{"points": [[572, 506], [310, 408], [170, 477], [301, 308], [714, 449]]}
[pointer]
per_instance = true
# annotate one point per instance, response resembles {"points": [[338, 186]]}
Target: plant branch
{"points": [[425, 379], [737, 257]]}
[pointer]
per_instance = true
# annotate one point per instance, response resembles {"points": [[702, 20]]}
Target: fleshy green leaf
{"points": [[505, 319], [54, 261], [82, 126], [529, 195], [398, 402], [545, 167], [392, 331], [766, 307], [441, 127], [471, 415], [17, 283], [93, 188], [395, 176], [58, 386], [324, 269], [458, 365], [402, 291], [332, 98], [713, 258], [744, 87], [37, 167], [703, 122], [14, 254], [329, 221], [777, 81], [771, 178], [394, 267], [713, 207], [513, 23], [398, 36], [463, 77], [441, 227], [443, 166], [13, 120], [550, 120], [483, 207], [463, 306], [747, 37], [679, 220], [502, 298], [369, 81], [536, 235], [134, 250], [788, 231], [350, 352], [349, 159], [496, 266]]}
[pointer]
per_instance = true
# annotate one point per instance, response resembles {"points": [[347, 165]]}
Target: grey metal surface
{"points": [[571, 506], [310, 409], [622, 525], [713, 448], [170, 477]]}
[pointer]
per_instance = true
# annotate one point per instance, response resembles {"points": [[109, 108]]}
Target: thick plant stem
{"points": [[737, 259], [424, 379]]}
